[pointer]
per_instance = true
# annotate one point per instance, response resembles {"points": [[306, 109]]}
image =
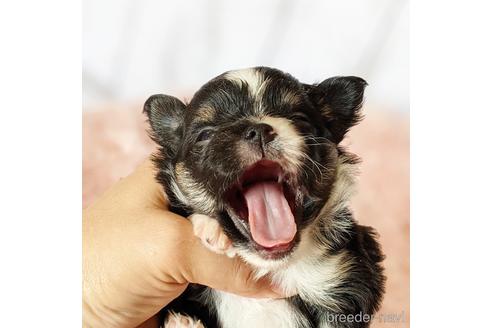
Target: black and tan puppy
{"points": [[254, 161]]}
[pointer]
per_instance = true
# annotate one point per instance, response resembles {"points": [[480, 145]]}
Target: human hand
{"points": [[138, 256]]}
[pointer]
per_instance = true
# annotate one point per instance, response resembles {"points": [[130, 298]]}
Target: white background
{"points": [[135, 48], [40, 172]]}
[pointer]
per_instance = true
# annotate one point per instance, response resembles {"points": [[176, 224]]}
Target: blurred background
{"points": [[132, 49], [135, 48]]}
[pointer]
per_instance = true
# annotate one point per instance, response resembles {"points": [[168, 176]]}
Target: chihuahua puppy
{"points": [[254, 161]]}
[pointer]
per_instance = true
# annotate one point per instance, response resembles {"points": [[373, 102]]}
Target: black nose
{"points": [[260, 133]]}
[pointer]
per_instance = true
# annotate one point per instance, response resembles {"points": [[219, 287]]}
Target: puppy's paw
{"points": [[211, 234], [178, 320]]}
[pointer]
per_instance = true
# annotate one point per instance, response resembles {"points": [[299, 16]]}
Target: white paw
{"points": [[177, 320], [211, 234]]}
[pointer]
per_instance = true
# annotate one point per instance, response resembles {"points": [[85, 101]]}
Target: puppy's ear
{"points": [[339, 100], [165, 115]]}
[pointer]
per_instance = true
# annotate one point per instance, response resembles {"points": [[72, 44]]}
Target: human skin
{"points": [[138, 257]]}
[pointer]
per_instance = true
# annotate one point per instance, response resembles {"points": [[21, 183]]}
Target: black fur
{"points": [[203, 142]]}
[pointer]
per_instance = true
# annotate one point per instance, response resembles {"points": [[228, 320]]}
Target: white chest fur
{"points": [[241, 312], [306, 275]]}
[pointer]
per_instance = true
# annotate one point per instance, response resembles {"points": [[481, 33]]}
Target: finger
{"points": [[220, 272], [152, 191], [140, 189], [245, 282]]}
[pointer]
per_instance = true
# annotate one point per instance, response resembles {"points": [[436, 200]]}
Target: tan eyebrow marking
{"points": [[205, 113]]}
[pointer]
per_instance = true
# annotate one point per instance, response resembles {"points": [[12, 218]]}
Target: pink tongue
{"points": [[270, 217]]}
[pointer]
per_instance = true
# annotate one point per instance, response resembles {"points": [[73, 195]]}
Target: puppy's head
{"points": [[257, 150]]}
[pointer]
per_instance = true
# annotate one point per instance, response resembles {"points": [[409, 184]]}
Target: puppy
{"points": [[254, 161]]}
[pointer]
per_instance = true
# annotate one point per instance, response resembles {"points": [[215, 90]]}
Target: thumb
{"points": [[220, 272]]}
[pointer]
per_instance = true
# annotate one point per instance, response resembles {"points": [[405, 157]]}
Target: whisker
{"points": [[314, 138], [305, 156]]}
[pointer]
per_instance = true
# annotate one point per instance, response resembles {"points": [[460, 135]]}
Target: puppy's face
{"points": [[257, 150]]}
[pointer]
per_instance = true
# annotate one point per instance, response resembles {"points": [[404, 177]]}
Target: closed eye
{"points": [[205, 135], [300, 117], [302, 123]]}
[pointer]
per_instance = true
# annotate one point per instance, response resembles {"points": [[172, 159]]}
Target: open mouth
{"points": [[265, 200]]}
